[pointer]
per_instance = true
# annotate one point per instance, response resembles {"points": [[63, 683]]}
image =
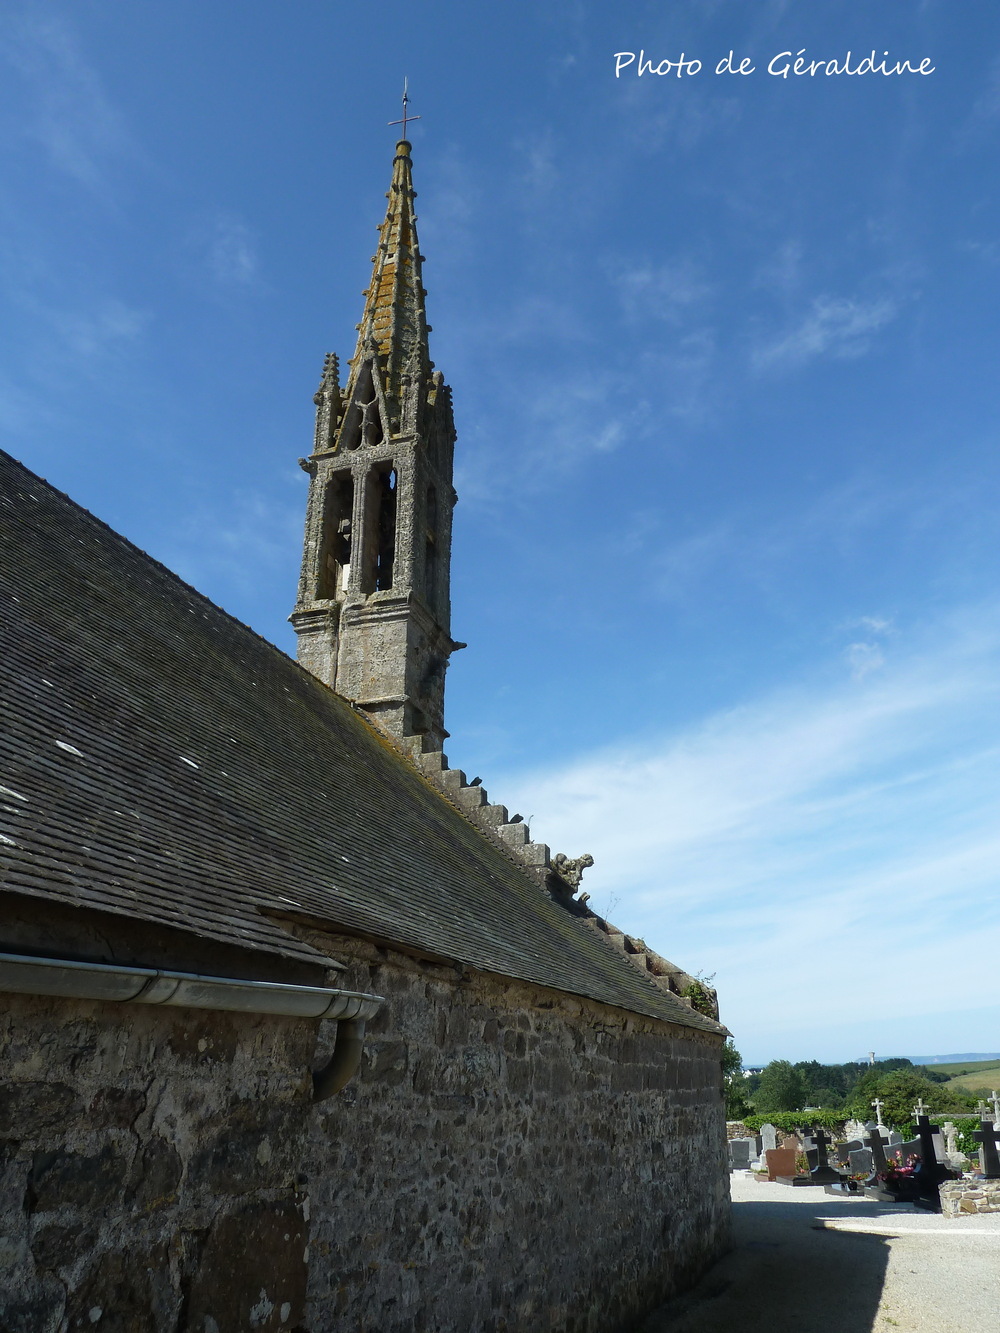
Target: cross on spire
{"points": [[406, 117]]}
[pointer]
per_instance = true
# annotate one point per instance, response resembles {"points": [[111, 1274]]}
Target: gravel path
{"points": [[804, 1261]]}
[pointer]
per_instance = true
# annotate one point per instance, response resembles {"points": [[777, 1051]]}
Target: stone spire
{"points": [[394, 323], [373, 612]]}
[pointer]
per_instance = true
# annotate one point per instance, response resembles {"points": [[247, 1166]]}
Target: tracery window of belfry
{"points": [[385, 555], [364, 423], [335, 555]]}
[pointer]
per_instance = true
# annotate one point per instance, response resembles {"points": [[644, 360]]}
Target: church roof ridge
{"points": [[179, 768]]}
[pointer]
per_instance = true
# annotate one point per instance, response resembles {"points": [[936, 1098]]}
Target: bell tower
{"points": [[373, 614]]}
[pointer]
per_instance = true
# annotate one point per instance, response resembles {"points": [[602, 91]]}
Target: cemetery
{"points": [[949, 1168]]}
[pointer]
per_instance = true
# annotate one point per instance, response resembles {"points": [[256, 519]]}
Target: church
{"points": [[301, 1030]]}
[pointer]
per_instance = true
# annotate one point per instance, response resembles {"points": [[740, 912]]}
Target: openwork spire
{"points": [[392, 336]]}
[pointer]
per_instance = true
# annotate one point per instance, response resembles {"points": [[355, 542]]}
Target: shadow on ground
{"points": [[786, 1272]]}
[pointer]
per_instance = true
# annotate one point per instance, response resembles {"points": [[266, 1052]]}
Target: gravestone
{"points": [[823, 1173], [768, 1138], [780, 1162], [989, 1158], [953, 1154], [844, 1150], [862, 1162], [739, 1154]]}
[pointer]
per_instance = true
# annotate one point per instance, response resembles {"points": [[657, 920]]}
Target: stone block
{"points": [[535, 854], [515, 835]]}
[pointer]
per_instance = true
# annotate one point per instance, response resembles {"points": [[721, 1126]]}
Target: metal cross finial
{"points": [[406, 117]]}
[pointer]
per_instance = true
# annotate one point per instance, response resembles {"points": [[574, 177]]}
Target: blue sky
{"points": [[724, 356]]}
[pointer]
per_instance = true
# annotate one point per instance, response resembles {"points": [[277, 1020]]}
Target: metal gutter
{"points": [[144, 985]]}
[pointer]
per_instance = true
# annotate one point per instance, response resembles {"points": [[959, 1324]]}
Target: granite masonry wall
{"points": [[149, 1169], [961, 1197], [509, 1158]]}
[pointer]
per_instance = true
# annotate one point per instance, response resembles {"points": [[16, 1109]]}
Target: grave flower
{"points": [[896, 1168]]}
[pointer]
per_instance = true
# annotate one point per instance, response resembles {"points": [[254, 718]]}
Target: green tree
{"points": [[782, 1088], [899, 1092], [735, 1084]]}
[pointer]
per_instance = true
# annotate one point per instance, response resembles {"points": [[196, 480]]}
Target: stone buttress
{"points": [[373, 611]]}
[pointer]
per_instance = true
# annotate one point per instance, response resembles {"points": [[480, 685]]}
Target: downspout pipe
{"points": [[343, 1063]]}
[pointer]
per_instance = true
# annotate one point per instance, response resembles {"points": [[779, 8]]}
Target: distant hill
{"points": [[962, 1059]]}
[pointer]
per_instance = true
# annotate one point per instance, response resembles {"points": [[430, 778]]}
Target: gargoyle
{"points": [[571, 870]]}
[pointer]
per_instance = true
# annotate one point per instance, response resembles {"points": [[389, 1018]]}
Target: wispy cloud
{"points": [[666, 291], [793, 838], [834, 326], [229, 560], [984, 110], [92, 333], [232, 252], [69, 112]]}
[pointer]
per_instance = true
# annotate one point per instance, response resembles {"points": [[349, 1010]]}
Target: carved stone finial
{"points": [[571, 870], [328, 404]]}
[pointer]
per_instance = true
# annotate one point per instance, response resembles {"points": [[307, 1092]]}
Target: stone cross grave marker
{"points": [[878, 1104], [823, 1173], [768, 1138], [989, 1158], [995, 1099], [931, 1171], [876, 1147], [920, 1111], [982, 1110]]}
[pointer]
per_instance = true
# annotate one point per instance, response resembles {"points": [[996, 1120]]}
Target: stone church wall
{"points": [[511, 1159], [149, 1163]]}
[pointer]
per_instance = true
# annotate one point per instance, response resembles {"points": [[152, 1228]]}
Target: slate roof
{"points": [[160, 760]]}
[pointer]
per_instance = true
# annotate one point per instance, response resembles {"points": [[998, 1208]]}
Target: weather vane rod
{"points": [[406, 117]]}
